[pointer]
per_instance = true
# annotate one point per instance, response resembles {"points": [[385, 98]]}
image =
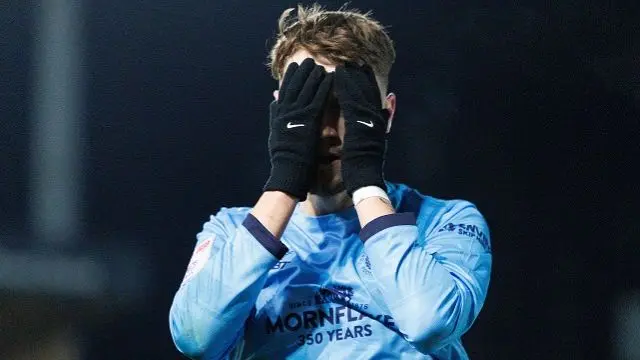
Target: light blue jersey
{"points": [[406, 286]]}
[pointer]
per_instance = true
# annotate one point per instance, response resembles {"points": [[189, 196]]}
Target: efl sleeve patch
{"points": [[199, 259]]}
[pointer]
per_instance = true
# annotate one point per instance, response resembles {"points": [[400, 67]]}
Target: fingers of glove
{"points": [[322, 92], [364, 74], [312, 84], [347, 87], [368, 78], [364, 80], [286, 79], [273, 108], [298, 80], [371, 81], [341, 82]]}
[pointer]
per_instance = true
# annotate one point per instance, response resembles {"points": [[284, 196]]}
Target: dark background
{"points": [[529, 110]]}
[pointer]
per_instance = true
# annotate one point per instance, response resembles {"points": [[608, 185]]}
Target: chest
{"points": [[311, 303]]}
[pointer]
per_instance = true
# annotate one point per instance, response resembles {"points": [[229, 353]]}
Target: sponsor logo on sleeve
{"points": [[468, 230], [199, 259]]}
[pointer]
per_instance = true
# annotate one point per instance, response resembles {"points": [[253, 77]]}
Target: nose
{"points": [[330, 118], [329, 124]]}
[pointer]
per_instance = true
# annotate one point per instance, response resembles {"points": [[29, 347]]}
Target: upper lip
{"points": [[329, 145], [330, 154]]}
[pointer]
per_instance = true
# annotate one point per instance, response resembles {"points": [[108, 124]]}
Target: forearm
{"points": [[273, 210], [421, 294], [435, 284], [219, 291]]}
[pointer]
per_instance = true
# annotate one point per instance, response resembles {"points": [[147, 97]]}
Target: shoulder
{"points": [[441, 211], [436, 215], [225, 221], [231, 215], [406, 199]]}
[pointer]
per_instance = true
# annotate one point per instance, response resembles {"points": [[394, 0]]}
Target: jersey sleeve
{"points": [[227, 270], [433, 283]]}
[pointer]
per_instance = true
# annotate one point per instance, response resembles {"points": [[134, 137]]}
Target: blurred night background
{"points": [[125, 123]]}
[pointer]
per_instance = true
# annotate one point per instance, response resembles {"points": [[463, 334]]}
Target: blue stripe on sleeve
{"points": [[264, 237], [385, 222]]}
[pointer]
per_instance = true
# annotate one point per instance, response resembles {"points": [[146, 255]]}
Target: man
{"points": [[332, 261]]}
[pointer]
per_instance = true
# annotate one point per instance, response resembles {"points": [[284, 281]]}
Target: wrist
{"points": [[372, 203], [356, 179], [290, 178], [359, 172], [367, 192], [273, 210]]}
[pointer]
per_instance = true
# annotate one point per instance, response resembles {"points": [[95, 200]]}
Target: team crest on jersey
{"points": [[199, 259], [364, 266]]}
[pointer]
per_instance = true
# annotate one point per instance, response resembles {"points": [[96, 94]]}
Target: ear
{"points": [[275, 95], [390, 105]]}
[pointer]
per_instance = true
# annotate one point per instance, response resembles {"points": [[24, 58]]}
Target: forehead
{"points": [[301, 54]]}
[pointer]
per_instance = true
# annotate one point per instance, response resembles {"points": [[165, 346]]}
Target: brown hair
{"points": [[345, 35]]}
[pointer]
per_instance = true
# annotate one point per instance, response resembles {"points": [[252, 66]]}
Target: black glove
{"points": [[365, 127], [295, 128]]}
